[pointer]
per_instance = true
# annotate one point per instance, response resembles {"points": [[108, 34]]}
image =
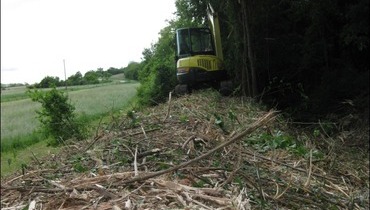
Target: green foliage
{"points": [[75, 79], [20, 141], [78, 165], [265, 142], [316, 133], [133, 117], [48, 82], [199, 184], [132, 71], [103, 75], [57, 116], [91, 77], [190, 13], [156, 87], [4, 86], [158, 73], [20, 115], [13, 97], [219, 122], [114, 71], [184, 118]]}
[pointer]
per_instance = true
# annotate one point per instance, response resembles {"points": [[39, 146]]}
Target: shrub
{"points": [[57, 116], [157, 85]]}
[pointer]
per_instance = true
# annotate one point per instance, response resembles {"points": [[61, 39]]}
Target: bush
{"points": [[157, 85], [57, 116], [132, 70]]}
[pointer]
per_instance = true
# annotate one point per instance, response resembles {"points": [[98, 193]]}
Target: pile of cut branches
{"points": [[200, 151]]}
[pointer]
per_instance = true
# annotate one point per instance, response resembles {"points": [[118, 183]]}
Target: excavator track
{"points": [[181, 89], [226, 87]]}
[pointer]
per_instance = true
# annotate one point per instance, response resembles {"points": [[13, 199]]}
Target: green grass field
{"points": [[19, 118]]}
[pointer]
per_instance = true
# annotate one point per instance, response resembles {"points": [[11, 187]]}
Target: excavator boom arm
{"points": [[215, 28]]}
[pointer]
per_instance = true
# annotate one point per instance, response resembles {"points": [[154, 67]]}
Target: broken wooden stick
{"points": [[169, 107]]}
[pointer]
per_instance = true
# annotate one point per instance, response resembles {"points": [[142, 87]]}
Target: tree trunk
{"points": [[252, 77], [246, 79]]}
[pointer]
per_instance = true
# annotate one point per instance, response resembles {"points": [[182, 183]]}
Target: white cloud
{"points": [[36, 35]]}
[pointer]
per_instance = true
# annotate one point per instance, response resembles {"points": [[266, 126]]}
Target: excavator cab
{"points": [[194, 41], [199, 58]]}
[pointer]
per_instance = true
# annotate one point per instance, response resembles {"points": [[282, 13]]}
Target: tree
{"points": [[75, 79], [157, 72], [103, 75], [114, 71], [91, 77], [131, 71], [57, 116], [48, 82]]}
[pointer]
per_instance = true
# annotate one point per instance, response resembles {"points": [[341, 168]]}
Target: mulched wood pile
{"points": [[194, 152]]}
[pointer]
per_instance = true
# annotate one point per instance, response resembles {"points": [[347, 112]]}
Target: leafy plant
{"points": [[279, 140], [265, 141], [57, 116], [232, 116], [77, 162], [184, 118], [199, 184], [158, 73], [78, 167], [316, 133], [219, 122], [23, 167], [134, 118]]}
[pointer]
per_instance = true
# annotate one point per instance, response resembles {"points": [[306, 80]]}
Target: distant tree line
{"points": [[90, 77], [4, 86]]}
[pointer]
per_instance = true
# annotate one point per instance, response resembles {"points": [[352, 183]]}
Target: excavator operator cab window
{"points": [[194, 41], [183, 42]]}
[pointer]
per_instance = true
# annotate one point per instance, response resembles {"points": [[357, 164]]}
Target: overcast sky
{"points": [[36, 35]]}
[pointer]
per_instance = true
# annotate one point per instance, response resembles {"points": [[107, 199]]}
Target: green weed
{"points": [[133, 117], [77, 162], [199, 184], [265, 142], [184, 118], [78, 167]]}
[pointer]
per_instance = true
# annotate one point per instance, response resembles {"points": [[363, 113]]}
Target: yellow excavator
{"points": [[199, 58]]}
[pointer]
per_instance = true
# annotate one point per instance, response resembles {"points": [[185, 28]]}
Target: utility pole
{"points": [[65, 75]]}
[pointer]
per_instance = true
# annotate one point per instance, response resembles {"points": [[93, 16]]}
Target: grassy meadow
{"points": [[19, 118]]}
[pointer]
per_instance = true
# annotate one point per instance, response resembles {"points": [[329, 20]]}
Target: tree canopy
{"points": [[90, 77]]}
